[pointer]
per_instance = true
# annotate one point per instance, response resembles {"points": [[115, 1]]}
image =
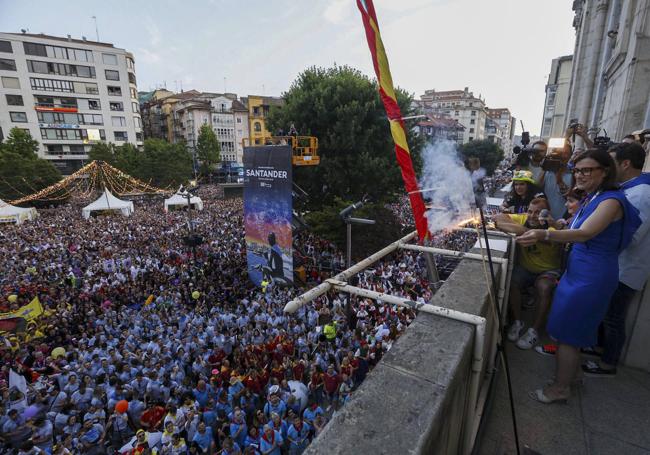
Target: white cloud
{"points": [[148, 56], [155, 37], [338, 11]]}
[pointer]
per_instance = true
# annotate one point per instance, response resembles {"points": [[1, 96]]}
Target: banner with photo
{"points": [[267, 214]]}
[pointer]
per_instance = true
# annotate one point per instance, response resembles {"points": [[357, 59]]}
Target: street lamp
{"points": [[345, 215]]}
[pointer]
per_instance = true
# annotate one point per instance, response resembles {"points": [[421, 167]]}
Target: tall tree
{"points": [[164, 164], [102, 151], [341, 107], [21, 142], [22, 172], [485, 150], [208, 149]]}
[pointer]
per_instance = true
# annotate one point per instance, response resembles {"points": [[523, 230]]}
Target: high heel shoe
{"points": [[538, 395]]}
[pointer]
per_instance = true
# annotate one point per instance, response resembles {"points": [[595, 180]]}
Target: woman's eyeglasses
{"points": [[586, 171]]}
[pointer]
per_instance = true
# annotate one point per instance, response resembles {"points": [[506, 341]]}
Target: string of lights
{"points": [[94, 176]]}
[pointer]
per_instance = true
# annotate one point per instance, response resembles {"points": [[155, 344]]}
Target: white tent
{"points": [[12, 214], [108, 202], [181, 199]]}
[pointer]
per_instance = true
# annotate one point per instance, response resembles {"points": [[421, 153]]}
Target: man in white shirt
{"points": [[633, 263]]}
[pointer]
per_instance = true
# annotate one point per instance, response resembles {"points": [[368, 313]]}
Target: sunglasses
{"points": [[586, 171]]}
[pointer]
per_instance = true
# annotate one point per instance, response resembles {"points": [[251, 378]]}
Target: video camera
{"points": [[524, 153], [603, 142], [556, 156]]}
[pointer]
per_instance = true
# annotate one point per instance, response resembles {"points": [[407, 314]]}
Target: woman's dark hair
{"points": [[609, 166]]}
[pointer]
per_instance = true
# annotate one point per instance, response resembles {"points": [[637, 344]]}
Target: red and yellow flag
{"points": [[387, 92]]}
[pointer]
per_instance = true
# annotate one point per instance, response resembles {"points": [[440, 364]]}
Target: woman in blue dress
{"points": [[603, 226]]}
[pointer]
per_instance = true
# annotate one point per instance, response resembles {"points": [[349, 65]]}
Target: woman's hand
{"points": [[531, 237]]}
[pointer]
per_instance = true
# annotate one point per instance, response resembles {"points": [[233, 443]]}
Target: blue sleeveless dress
{"points": [[591, 277]]}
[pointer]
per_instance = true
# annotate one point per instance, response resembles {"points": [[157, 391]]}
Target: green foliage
{"points": [[127, 158], [366, 239], [21, 143], [164, 164], [102, 151], [22, 172], [208, 149], [342, 108], [160, 163], [487, 151]]}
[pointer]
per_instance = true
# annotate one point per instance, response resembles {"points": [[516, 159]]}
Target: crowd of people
{"points": [[144, 347]]}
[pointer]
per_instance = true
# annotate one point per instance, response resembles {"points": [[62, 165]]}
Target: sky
{"points": [[500, 49]]}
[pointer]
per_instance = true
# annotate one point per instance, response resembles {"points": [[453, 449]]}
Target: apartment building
{"points": [[69, 94], [500, 127], [230, 124], [460, 105], [554, 119], [178, 117], [258, 110]]}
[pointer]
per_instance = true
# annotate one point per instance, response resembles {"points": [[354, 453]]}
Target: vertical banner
{"points": [[267, 215]]}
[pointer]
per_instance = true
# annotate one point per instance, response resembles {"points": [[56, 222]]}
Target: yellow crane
{"points": [[305, 148]]}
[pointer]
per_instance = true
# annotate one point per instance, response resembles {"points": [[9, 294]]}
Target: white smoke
{"points": [[446, 186]]}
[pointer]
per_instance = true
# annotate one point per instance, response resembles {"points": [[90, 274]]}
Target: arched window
{"points": [[258, 127]]}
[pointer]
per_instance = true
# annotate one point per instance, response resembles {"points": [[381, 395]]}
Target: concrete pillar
{"points": [[589, 71], [581, 22], [613, 18]]}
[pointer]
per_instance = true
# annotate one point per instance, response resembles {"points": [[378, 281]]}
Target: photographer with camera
{"points": [[555, 178], [529, 158], [537, 265], [578, 130]]}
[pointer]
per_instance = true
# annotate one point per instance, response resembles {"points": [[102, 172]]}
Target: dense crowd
{"points": [[144, 347]]}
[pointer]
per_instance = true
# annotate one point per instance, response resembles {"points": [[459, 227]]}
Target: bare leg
{"points": [[544, 287], [568, 363]]}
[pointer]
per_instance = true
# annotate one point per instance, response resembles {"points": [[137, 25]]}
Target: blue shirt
{"points": [[554, 195], [234, 390], [201, 397], [241, 438], [203, 440], [298, 438], [310, 414], [280, 408], [266, 445]]}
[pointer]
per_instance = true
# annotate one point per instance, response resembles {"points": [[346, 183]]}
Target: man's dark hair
{"points": [[632, 151]]}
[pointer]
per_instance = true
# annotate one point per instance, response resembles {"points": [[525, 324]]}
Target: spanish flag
{"points": [[387, 92]]}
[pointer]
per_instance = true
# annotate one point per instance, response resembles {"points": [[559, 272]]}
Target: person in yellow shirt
{"points": [[538, 265]]}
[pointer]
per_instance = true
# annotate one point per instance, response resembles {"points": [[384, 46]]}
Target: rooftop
{"points": [[441, 122], [63, 39]]}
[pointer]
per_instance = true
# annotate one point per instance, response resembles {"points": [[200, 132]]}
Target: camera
{"points": [[603, 142], [556, 157], [524, 153]]}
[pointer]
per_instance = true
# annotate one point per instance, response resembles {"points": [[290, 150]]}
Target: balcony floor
{"points": [[605, 416]]}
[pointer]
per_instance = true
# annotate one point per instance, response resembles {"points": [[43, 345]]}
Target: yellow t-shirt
{"points": [[540, 257]]}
